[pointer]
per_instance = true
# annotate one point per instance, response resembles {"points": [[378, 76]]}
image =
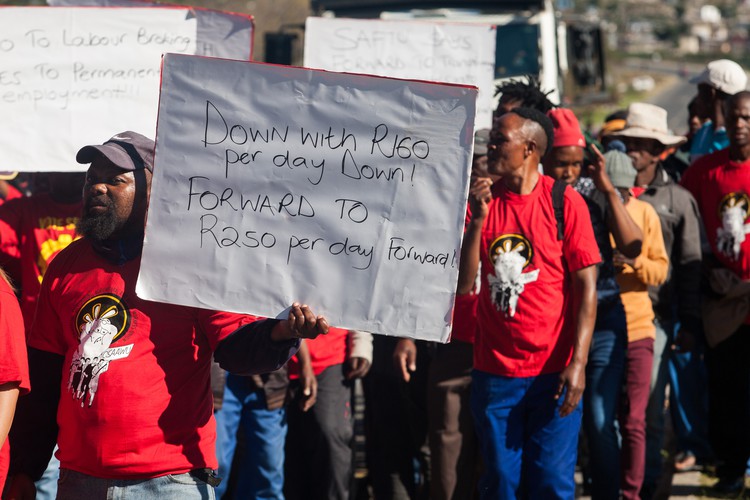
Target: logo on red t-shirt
{"points": [[734, 209], [50, 247], [510, 255], [101, 321]]}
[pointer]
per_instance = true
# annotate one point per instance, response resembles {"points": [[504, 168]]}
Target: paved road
{"points": [[690, 486], [675, 94], [674, 97]]}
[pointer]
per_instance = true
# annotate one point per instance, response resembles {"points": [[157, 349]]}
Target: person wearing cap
{"points": [[720, 79], [129, 377], [720, 183], [535, 314], [604, 370], [677, 301], [634, 276]]}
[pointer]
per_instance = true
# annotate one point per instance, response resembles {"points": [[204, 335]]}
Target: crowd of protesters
{"points": [[603, 292]]}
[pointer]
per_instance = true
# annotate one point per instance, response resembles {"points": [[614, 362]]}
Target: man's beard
{"points": [[99, 227]]}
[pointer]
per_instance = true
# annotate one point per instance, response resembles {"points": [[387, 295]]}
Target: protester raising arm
{"points": [[627, 234], [479, 198]]}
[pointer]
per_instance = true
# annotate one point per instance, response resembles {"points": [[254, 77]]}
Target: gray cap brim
{"points": [[114, 153]]}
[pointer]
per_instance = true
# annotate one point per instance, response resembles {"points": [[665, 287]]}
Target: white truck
{"points": [[530, 40]]}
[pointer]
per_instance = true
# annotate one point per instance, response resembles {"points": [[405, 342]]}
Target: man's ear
{"points": [[530, 148]]}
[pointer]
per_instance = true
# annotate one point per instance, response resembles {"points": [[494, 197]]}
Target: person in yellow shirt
{"points": [[634, 277]]}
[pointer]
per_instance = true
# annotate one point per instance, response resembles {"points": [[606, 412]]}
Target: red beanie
{"points": [[566, 127]]}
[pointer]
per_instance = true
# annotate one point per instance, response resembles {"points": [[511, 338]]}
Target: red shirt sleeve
{"points": [[14, 364], [218, 325]]}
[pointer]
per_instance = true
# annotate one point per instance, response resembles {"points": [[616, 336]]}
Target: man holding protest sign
{"points": [[535, 317], [130, 377]]}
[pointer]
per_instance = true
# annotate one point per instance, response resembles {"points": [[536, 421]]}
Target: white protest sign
{"points": [[424, 50], [220, 34], [74, 76], [276, 184]]}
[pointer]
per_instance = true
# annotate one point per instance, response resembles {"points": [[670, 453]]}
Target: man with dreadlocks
{"points": [[518, 93], [535, 314]]}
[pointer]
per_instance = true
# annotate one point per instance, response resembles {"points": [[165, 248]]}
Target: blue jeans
{"points": [[528, 449], [688, 400], [73, 485], [46, 487], [604, 377], [260, 473]]}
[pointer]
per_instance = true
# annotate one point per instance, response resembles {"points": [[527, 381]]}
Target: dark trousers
{"points": [[729, 403], [396, 421], [454, 451], [319, 442]]}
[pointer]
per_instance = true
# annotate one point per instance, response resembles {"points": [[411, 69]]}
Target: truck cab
{"points": [[529, 39]]}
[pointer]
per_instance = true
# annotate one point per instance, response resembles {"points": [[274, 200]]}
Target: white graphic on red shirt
{"points": [[511, 254], [734, 209], [94, 354]]}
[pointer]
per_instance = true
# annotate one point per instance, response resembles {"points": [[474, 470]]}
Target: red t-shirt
{"points": [[722, 189], [526, 286], [325, 350], [135, 394], [464, 318], [32, 231], [14, 365]]}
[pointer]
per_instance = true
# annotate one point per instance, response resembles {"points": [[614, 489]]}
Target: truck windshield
{"points": [[517, 50]]}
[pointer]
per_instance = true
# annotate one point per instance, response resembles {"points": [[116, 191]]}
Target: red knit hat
{"points": [[566, 127]]}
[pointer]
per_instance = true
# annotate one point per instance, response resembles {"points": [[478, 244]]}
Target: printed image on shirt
{"points": [[100, 322], [733, 212], [50, 248], [510, 255]]}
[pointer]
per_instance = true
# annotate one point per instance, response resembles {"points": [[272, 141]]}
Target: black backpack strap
{"points": [[558, 203]]}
